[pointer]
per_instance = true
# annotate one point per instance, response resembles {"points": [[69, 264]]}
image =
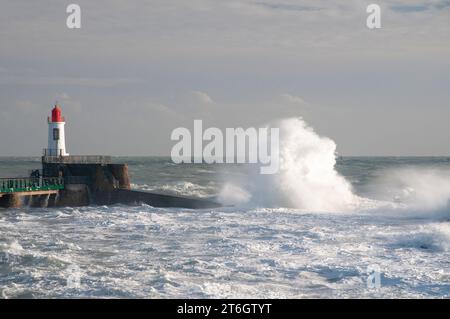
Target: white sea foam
{"points": [[307, 178], [308, 181], [183, 188], [273, 243], [144, 251], [418, 188], [233, 195]]}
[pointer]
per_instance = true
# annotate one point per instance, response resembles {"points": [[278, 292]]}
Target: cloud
{"points": [[66, 80], [202, 97], [287, 6], [163, 110], [293, 99], [204, 29], [61, 97], [67, 102], [409, 8], [418, 5], [26, 106]]}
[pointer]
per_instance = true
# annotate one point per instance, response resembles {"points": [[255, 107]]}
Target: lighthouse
{"points": [[56, 136]]}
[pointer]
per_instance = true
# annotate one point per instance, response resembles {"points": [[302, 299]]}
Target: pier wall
{"points": [[10, 201], [88, 183], [95, 184], [132, 197]]}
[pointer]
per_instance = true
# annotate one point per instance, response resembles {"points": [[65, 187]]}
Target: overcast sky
{"points": [[138, 69]]}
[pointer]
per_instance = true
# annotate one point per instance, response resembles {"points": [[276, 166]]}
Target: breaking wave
{"points": [[182, 188], [307, 178], [308, 181], [420, 188]]}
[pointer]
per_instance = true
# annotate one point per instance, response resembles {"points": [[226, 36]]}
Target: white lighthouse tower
{"points": [[56, 136]]}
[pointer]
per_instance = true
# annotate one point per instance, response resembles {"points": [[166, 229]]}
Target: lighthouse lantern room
{"points": [[56, 136]]}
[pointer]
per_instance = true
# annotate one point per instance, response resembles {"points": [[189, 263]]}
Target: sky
{"points": [[136, 70]]}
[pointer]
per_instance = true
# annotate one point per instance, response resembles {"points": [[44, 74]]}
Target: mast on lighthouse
{"points": [[56, 136]]}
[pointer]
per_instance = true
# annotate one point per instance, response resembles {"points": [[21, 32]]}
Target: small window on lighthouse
{"points": [[56, 134]]}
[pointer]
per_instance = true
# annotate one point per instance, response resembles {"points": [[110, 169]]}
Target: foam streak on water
{"points": [[390, 214], [148, 252]]}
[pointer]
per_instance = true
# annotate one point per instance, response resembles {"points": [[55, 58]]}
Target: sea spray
{"points": [[422, 189], [232, 194], [307, 178]]}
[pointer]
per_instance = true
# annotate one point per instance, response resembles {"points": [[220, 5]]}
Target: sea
{"points": [[324, 226]]}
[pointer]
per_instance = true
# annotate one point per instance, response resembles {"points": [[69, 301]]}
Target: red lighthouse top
{"points": [[56, 114]]}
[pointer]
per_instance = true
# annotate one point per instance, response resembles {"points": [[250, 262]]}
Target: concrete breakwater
{"points": [[92, 180]]}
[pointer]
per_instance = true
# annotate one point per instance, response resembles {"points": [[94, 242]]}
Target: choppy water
{"points": [[400, 225]]}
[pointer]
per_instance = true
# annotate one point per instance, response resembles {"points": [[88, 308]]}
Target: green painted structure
{"points": [[30, 184]]}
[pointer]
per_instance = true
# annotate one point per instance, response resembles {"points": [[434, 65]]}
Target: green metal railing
{"points": [[30, 184]]}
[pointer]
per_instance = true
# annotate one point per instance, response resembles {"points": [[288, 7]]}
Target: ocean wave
{"points": [[179, 188]]}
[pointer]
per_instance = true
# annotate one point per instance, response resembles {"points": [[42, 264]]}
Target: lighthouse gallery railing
{"points": [[76, 159]]}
